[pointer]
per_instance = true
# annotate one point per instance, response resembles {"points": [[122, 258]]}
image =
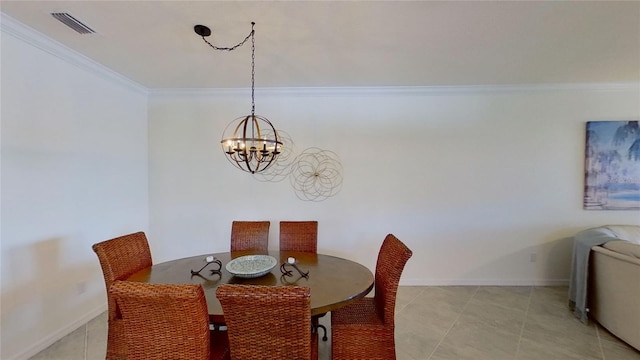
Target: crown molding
{"points": [[18, 30], [400, 90]]}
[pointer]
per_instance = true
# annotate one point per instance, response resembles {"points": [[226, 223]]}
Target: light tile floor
{"points": [[448, 323]]}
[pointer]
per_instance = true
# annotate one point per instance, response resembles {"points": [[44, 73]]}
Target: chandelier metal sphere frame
{"points": [[248, 147], [250, 142]]}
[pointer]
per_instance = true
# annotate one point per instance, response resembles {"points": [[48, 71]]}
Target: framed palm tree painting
{"points": [[612, 166]]}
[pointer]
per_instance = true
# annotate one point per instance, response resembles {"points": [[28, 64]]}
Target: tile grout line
{"points": [[412, 300], [600, 342], [86, 341], [454, 322], [407, 304], [526, 315]]}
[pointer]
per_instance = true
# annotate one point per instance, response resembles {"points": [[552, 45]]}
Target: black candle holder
{"points": [[213, 271], [291, 279], [286, 272]]}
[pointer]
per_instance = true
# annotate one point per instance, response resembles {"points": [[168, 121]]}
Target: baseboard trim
{"points": [[59, 334], [484, 282]]}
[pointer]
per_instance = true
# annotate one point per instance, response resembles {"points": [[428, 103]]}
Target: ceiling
{"points": [[351, 43]]}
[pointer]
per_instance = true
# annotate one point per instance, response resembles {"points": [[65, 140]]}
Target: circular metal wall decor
{"points": [[316, 174], [279, 170]]}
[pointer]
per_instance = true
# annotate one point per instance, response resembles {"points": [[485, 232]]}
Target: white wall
{"points": [[74, 172], [473, 180]]}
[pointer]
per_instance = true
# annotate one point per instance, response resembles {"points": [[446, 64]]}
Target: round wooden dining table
{"points": [[334, 281]]}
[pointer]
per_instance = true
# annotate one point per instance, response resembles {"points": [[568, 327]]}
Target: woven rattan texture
{"points": [[119, 258], [302, 236], [365, 329], [299, 236], [167, 322], [250, 236], [268, 322]]}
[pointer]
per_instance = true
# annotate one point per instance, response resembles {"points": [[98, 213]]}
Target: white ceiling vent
{"points": [[73, 23]]}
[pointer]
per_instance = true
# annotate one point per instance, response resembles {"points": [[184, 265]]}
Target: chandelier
{"points": [[250, 142]]}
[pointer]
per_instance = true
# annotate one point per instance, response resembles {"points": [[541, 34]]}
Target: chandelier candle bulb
{"points": [[209, 259], [291, 260]]}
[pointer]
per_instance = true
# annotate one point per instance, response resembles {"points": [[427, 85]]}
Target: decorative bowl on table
{"points": [[251, 266]]}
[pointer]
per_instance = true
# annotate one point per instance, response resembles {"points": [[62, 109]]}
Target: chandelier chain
{"points": [[253, 70], [234, 46], [253, 60], [246, 145]]}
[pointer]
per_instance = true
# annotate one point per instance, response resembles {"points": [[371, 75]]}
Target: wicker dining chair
{"points": [[299, 236], [364, 329], [119, 258], [268, 322], [167, 322], [250, 236], [302, 236]]}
